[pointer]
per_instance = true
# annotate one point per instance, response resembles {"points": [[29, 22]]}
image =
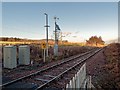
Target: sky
{"points": [[81, 19]]}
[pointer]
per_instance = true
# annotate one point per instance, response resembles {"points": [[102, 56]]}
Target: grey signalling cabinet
{"points": [[10, 60], [24, 55]]}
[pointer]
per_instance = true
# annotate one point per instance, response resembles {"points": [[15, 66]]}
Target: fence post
{"points": [[73, 81], [90, 82], [67, 87], [71, 84], [77, 82]]}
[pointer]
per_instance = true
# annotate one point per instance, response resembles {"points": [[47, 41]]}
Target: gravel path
{"points": [[95, 67]]}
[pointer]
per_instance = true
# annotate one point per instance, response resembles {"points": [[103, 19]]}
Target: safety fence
{"points": [[80, 80]]}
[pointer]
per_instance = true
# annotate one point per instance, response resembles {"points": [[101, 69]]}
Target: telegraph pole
{"points": [[46, 33]]}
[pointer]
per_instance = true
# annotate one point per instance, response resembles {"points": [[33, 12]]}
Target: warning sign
{"points": [[43, 46]]}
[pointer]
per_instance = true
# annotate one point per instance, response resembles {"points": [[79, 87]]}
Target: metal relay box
{"points": [[24, 55], [10, 57]]}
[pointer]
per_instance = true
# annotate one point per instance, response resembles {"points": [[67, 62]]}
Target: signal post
{"points": [[44, 49]]}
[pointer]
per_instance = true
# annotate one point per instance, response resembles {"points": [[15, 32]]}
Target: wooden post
{"points": [[44, 55]]}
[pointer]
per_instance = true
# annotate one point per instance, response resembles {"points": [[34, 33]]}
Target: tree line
{"points": [[95, 41]]}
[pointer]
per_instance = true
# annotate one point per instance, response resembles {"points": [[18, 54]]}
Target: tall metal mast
{"points": [[56, 39], [46, 33]]}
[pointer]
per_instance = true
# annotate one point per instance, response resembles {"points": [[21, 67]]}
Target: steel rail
{"points": [[68, 59], [61, 74]]}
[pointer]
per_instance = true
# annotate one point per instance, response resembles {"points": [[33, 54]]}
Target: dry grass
{"points": [[112, 54]]}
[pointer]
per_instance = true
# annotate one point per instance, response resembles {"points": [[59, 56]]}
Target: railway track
{"points": [[44, 77]]}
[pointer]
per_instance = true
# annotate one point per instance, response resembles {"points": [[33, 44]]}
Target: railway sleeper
{"points": [[21, 86], [49, 76], [40, 79]]}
